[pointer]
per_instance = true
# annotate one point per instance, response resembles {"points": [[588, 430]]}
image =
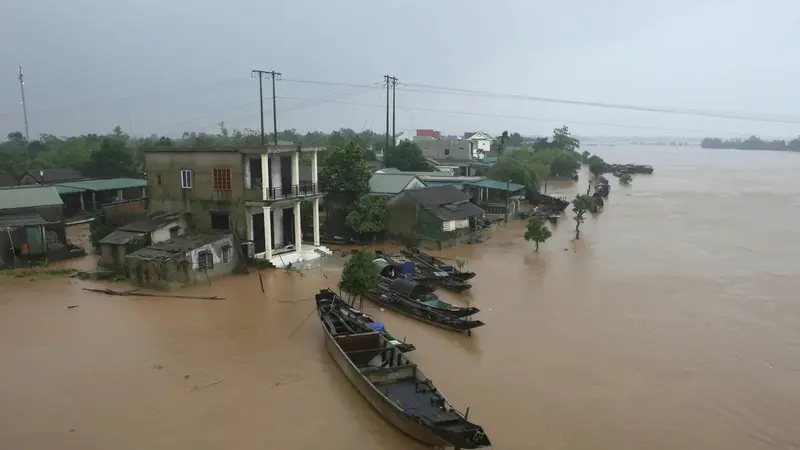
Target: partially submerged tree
{"points": [[369, 216], [537, 231], [359, 275], [580, 205]]}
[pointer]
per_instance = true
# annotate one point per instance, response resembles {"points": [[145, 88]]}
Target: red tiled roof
{"points": [[429, 133]]}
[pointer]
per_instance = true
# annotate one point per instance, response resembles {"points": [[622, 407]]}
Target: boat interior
{"points": [[400, 381]]}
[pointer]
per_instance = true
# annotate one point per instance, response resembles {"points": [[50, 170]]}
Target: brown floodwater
{"points": [[673, 323]]}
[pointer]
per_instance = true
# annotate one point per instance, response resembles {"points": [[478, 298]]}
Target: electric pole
{"points": [[390, 81], [394, 105], [24, 107], [272, 75]]}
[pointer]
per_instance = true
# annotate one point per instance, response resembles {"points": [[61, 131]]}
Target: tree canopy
{"points": [[345, 174], [359, 274], [752, 143], [407, 156], [537, 231], [369, 215], [580, 205]]}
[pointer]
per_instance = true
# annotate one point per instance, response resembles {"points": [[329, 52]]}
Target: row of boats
{"points": [[376, 362]]}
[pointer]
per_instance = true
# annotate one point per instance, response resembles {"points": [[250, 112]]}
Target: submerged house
{"points": [[184, 261], [133, 236], [32, 226], [498, 198], [391, 184], [434, 217]]}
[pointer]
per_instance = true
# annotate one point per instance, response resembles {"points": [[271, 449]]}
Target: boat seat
{"points": [[368, 370], [370, 350]]}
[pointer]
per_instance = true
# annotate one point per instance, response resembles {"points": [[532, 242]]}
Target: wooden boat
{"points": [[424, 258], [384, 297], [554, 203], [415, 292], [396, 388], [350, 320], [626, 178], [423, 273]]}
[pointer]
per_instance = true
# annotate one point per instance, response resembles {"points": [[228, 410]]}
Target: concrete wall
{"points": [[163, 233], [125, 212], [202, 198], [446, 148]]}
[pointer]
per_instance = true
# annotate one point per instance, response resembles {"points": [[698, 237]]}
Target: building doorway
{"points": [[259, 243]]}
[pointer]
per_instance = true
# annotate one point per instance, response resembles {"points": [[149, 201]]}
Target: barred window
{"points": [[205, 260], [222, 179]]}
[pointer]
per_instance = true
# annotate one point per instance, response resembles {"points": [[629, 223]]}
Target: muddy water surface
{"points": [[673, 323]]}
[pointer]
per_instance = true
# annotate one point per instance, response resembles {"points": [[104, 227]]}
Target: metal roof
{"points": [[28, 197], [120, 237], [499, 185], [100, 185], [152, 223], [56, 175], [445, 202], [25, 219], [389, 183]]}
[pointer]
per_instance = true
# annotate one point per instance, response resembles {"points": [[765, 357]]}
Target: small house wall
{"points": [[162, 233], [216, 250]]}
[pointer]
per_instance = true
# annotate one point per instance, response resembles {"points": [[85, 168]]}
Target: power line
{"points": [[538, 119]]}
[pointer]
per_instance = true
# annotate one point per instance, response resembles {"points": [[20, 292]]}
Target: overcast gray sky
{"points": [[178, 65]]}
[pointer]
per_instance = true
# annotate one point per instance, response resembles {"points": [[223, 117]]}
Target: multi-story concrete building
{"points": [[255, 192]]}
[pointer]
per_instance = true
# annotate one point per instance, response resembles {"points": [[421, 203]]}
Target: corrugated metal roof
{"points": [[103, 185], [456, 183], [120, 237], [28, 197], [25, 219], [152, 223], [56, 175], [499, 185], [389, 183], [67, 190], [445, 202]]}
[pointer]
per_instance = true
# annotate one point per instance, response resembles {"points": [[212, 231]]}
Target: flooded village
{"points": [[612, 306]]}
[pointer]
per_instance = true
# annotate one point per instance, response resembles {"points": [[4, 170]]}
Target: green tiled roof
{"points": [[389, 183], [100, 185], [29, 197], [457, 183], [494, 184]]}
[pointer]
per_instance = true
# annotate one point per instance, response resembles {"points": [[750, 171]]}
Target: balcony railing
{"points": [[295, 191]]}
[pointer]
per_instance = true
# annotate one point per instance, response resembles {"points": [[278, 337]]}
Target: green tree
{"points": [[596, 165], [521, 167], [369, 216], [407, 156], [345, 174], [564, 140], [537, 231], [359, 275], [580, 205], [112, 160]]}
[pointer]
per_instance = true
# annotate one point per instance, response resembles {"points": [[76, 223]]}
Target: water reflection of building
{"points": [[254, 191]]}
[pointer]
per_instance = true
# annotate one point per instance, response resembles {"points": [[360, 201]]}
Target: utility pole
{"points": [[386, 79], [394, 104], [273, 75], [24, 107], [390, 80]]}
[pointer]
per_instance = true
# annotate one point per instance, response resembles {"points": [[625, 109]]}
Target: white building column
{"points": [[278, 242], [248, 221], [314, 176], [298, 230], [275, 172], [264, 176], [267, 233], [296, 172], [316, 216]]}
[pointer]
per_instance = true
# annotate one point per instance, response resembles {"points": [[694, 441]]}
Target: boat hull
{"points": [[464, 326], [386, 409]]}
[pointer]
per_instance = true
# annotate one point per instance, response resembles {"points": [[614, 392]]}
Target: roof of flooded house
{"points": [[6, 179], [244, 149], [29, 197], [445, 202], [56, 175], [110, 184], [152, 223], [177, 246], [390, 183], [120, 237], [23, 219], [499, 185]]}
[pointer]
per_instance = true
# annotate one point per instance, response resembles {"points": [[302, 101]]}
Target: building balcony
{"points": [[301, 190]]}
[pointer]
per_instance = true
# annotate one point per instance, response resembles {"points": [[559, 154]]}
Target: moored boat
{"points": [[423, 273], [415, 292], [396, 388], [350, 320], [424, 258]]}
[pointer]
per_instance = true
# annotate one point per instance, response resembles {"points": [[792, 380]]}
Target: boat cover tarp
{"points": [[407, 288]]}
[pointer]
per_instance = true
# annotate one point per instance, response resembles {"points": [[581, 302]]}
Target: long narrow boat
{"points": [[424, 258], [386, 298], [350, 320], [424, 273], [395, 386], [415, 292]]}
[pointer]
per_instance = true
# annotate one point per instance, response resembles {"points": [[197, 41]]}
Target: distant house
{"points": [[31, 226], [50, 176], [482, 143], [184, 260], [499, 199], [126, 239], [435, 217], [460, 149], [6, 179], [393, 183]]}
